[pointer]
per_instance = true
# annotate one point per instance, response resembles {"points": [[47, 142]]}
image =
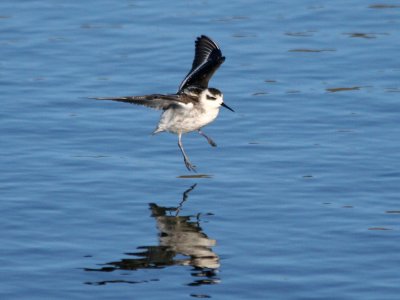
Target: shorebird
{"points": [[194, 105]]}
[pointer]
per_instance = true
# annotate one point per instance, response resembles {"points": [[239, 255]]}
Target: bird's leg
{"points": [[188, 165], [209, 140]]}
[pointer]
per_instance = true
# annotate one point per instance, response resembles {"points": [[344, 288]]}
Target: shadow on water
{"points": [[181, 243]]}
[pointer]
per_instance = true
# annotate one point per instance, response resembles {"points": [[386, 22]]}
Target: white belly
{"points": [[185, 119]]}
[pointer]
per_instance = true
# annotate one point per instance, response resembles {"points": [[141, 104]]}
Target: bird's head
{"points": [[212, 97]]}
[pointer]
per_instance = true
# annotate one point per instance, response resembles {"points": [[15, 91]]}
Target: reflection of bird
{"points": [[181, 243], [181, 236], [194, 105]]}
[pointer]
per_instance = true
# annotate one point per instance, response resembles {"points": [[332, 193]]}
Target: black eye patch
{"points": [[211, 98]]}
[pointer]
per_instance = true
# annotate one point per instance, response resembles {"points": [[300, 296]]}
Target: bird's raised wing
{"points": [[207, 59], [156, 101]]}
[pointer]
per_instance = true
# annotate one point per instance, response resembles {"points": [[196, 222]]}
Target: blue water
{"points": [[300, 200]]}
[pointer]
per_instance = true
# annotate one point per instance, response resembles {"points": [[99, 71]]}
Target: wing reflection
{"points": [[181, 242]]}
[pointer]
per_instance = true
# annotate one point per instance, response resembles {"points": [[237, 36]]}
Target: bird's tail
{"points": [[157, 130]]}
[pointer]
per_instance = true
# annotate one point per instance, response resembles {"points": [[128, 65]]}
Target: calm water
{"points": [[300, 200]]}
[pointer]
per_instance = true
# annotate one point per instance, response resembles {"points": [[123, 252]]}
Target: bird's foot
{"points": [[189, 166], [209, 140], [212, 143]]}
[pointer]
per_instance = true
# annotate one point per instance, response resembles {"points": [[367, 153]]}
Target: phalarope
{"points": [[195, 104]]}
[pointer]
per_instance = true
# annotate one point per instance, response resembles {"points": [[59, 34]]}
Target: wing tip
{"points": [[96, 98], [207, 38], [203, 36]]}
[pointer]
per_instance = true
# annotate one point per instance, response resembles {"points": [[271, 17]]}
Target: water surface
{"points": [[298, 201]]}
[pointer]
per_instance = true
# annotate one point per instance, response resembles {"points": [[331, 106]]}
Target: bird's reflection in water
{"points": [[181, 242]]}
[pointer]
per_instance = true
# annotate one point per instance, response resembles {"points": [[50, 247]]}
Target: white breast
{"points": [[186, 118]]}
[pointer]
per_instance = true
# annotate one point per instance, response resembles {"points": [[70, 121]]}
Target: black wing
{"points": [[156, 101], [207, 59]]}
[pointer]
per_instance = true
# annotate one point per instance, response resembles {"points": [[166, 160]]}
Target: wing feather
{"points": [[156, 101], [207, 59]]}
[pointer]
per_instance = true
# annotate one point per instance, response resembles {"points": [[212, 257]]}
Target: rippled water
{"points": [[298, 201]]}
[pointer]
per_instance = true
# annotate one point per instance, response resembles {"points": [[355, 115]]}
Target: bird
{"points": [[194, 105]]}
